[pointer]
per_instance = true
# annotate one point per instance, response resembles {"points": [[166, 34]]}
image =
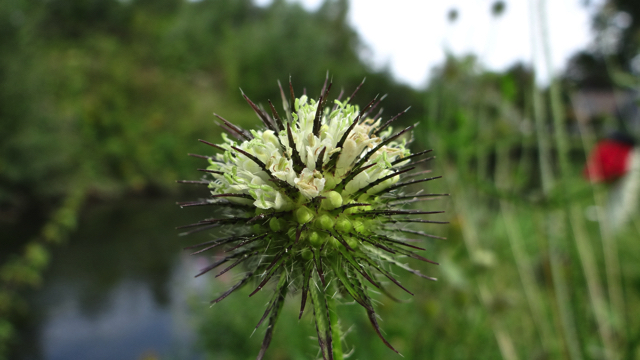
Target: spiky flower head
{"points": [[315, 206]]}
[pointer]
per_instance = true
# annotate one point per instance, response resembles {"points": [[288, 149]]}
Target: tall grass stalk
{"points": [[538, 108], [522, 260], [469, 235], [585, 252], [551, 221], [590, 269], [609, 242], [439, 107], [473, 247], [555, 230]]}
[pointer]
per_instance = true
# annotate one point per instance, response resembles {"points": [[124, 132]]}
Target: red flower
{"points": [[608, 161]]}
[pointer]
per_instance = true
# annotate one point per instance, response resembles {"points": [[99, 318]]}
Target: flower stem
{"points": [[336, 332]]}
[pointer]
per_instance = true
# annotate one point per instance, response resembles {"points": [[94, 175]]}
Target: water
{"points": [[120, 288]]}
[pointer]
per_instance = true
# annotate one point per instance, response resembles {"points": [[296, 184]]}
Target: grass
{"points": [[498, 295], [524, 274]]}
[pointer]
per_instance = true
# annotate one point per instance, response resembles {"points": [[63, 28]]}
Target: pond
{"points": [[120, 288]]}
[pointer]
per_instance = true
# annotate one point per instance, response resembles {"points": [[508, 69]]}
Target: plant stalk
{"points": [[336, 332]]}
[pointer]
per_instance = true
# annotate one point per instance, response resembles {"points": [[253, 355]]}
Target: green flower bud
{"points": [[325, 222], [306, 254], [276, 224], [343, 225], [331, 181], [304, 215], [315, 239], [352, 242], [333, 200]]}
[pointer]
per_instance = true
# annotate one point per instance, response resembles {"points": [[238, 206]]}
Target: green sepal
{"points": [[344, 280], [372, 315], [322, 319], [356, 266], [306, 278], [276, 306]]}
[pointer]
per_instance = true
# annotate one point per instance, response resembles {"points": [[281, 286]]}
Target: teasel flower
{"points": [[314, 204]]}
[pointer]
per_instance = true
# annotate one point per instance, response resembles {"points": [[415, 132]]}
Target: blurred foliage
{"points": [[618, 29], [26, 269], [104, 93], [615, 52], [520, 210], [103, 98]]}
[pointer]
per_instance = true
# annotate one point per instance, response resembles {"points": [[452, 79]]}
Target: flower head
{"points": [[609, 161], [316, 199]]}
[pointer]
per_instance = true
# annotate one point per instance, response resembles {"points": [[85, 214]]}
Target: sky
{"points": [[410, 37]]}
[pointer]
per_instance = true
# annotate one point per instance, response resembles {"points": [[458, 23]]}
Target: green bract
{"points": [[316, 198]]}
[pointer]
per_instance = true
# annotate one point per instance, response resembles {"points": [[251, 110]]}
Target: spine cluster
{"points": [[315, 203]]}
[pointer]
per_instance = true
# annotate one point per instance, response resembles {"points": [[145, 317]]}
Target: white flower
{"points": [[310, 183], [278, 156]]}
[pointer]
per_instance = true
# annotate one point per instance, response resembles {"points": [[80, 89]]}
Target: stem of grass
{"points": [[514, 235], [609, 243]]}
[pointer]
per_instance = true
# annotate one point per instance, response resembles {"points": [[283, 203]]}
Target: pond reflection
{"points": [[119, 289]]}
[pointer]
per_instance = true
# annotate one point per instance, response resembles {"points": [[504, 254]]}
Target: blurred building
{"points": [[592, 104]]}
